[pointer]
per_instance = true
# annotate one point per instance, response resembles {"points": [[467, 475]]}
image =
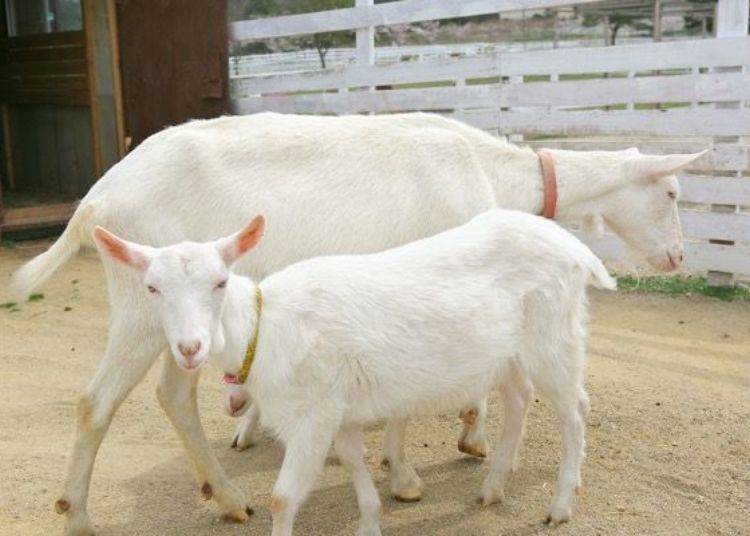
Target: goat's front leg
{"points": [[125, 363], [350, 448], [306, 450], [472, 440], [406, 485], [177, 395]]}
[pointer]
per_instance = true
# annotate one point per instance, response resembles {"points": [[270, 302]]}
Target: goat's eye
{"points": [[221, 285], [153, 290], [672, 195]]}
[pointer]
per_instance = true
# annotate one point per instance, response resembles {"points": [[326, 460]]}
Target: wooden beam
{"points": [[16, 219], [117, 80], [7, 146], [106, 113]]}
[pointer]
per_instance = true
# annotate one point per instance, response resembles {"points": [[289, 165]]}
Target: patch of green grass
{"points": [[9, 244], [8, 305], [36, 297], [681, 286]]}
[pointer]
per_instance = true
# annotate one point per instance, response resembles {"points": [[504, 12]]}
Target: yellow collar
{"points": [[244, 372]]}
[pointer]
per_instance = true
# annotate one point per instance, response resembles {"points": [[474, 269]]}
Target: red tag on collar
{"points": [[549, 177], [230, 379]]}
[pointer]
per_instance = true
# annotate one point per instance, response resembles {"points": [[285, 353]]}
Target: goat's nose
{"points": [[190, 349]]}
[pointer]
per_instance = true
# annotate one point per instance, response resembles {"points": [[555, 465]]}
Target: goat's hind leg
{"points": [[472, 440], [557, 373], [571, 411], [177, 395], [131, 350], [516, 393]]}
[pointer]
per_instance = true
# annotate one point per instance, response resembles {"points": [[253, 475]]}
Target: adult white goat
{"points": [[347, 340], [330, 185]]}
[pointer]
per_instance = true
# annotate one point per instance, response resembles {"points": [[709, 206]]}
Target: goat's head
{"points": [[185, 284], [642, 208]]}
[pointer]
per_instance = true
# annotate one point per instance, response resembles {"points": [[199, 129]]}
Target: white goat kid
{"points": [[325, 192], [347, 340]]}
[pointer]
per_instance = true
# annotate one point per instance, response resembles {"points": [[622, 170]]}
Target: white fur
{"points": [[328, 185], [348, 340]]}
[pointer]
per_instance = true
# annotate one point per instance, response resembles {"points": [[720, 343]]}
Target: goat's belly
{"points": [[413, 394]]}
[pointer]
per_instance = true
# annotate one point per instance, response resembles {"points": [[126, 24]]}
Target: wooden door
{"points": [[173, 62]]}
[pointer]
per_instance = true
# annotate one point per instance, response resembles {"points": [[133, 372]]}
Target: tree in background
{"points": [[323, 42], [615, 22]]}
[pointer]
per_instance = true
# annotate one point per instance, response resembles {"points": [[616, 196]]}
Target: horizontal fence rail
{"points": [[629, 58], [402, 12], [622, 123], [653, 89]]}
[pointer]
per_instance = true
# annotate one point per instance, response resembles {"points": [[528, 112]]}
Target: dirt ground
{"points": [[668, 434]]}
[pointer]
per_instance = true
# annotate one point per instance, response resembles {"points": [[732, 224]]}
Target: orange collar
{"points": [[549, 176]]}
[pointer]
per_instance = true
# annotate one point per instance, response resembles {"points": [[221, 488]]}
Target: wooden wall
{"points": [[51, 147], [173, 60], [46, 121]]}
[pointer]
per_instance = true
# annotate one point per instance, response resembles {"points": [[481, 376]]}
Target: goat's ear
{"points": [[647, 167], [593, 224], [233, 247], [127, 253]]}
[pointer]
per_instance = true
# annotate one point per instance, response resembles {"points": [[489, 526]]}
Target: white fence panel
{"points": [[676, 96]]}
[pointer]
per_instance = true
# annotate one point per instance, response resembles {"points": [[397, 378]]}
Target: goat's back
{"points": [[425, 325]]}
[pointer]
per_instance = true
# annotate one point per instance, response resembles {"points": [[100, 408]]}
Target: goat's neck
{"points": [[582, 177], [238, 319]]}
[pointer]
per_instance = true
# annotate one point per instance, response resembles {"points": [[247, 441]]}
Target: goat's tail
{"points": [[39, 269], [598, 275]]}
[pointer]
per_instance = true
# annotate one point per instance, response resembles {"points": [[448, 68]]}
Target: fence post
{"points": [[365, 41], [731, 21], [657, 21]]}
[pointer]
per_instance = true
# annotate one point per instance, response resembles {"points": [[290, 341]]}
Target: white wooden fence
{"points": [[663, 97]]}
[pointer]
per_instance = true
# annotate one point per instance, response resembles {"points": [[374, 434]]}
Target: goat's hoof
{"points": [[239, 516], [555, 518], [412, 493], [490, 497], [489, 501], [370, 530], [468, 416], [61, 506], [207, 492], [478, 451], [242, 442]]}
